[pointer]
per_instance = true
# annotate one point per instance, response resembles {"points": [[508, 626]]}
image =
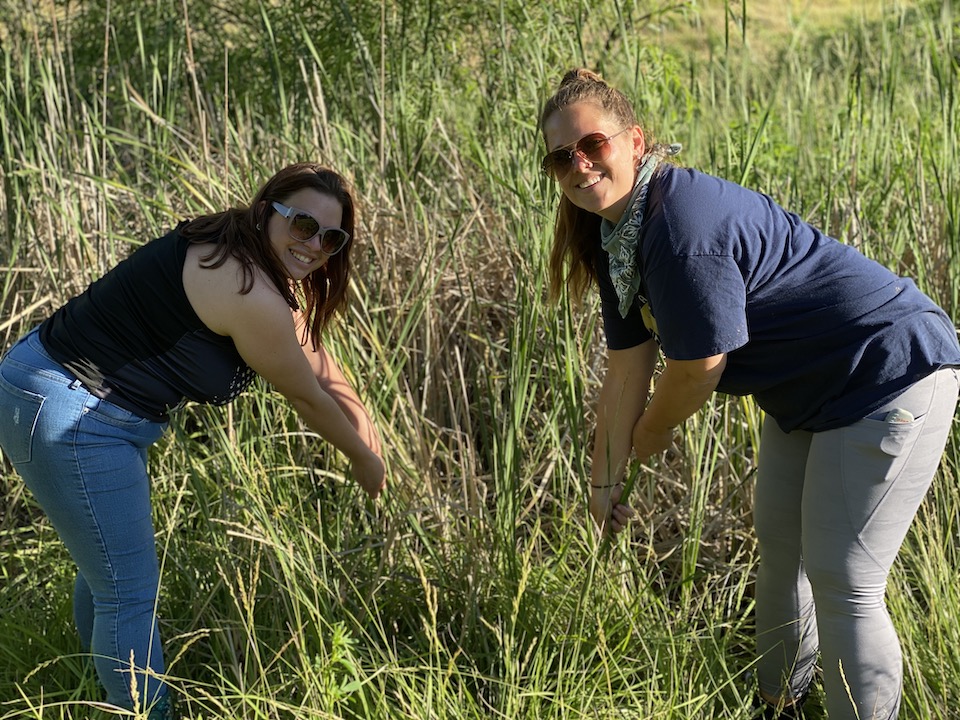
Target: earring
{"points": [[259, 227]]}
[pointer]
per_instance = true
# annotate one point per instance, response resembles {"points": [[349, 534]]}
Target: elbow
{"points": [[714, 372], [704, 373]]}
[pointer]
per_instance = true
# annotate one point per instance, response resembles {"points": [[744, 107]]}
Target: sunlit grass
{"points": [[476, 587], [763, 29]]}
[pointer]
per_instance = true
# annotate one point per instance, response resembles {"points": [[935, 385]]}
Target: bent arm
{"points": [[682, 389]]}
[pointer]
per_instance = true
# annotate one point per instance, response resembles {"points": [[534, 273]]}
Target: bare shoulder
{"points": [[216, 297]]}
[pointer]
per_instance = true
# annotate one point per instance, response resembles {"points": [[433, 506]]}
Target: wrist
{"points": [[605, 486], [362, 454]]}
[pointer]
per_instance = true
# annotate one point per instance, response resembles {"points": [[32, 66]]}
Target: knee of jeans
{"points": [[141, 599], [130, 594]]}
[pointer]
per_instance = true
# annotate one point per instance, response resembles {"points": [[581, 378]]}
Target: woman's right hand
{"points": [[608, 512], [370, 474]]}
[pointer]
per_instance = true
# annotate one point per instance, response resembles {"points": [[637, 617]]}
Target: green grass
{"points": [[475, 588]]}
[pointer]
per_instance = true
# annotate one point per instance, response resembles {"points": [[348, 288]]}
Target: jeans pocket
{"points": [[19, 410], [106, 412]]}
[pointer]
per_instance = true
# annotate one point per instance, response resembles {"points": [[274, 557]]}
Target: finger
{"points": [[608, 527]]}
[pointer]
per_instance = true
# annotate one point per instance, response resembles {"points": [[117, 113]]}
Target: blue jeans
{"points": [[85, 461], [831, 511]]}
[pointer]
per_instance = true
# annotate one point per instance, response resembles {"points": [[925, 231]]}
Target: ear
{"points": [[263, 209], [639, 143]]}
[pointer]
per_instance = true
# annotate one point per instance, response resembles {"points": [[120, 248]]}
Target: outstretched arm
{"points": [[263, 331]]}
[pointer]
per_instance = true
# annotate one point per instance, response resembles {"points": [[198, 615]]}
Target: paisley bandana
{"points": [[620, 241]]}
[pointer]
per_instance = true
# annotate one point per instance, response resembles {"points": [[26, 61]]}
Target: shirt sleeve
{"points": [[699, 302]]}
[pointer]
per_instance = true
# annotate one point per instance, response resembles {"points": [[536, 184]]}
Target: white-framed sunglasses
{"points": [[303, 227]]}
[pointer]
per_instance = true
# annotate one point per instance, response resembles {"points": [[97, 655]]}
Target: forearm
{"points": [[355, 412], [334, 383], [622, 398], [265, 336], [611, 449], [679, 393], [324, 415], [675, 398]]}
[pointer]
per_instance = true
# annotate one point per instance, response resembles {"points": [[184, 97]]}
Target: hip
{"points": [[44, 404]]}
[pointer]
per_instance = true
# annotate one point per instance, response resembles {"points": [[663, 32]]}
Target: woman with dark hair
{"points": [[854, 367], [192, 315]]}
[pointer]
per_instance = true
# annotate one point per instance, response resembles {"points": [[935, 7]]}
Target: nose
{"points": [[579, 161], [315, 243], [314, 247]]}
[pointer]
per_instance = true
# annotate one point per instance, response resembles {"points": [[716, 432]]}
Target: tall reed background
{"points": [[476, 587]]}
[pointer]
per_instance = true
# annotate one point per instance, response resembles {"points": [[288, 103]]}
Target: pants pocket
{"points": [[19, 410]]}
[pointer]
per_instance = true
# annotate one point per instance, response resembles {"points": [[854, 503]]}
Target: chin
{"points": [[593, 205]]}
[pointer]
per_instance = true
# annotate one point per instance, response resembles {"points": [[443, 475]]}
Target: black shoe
{"points": [[163, 710], [766, 711]]}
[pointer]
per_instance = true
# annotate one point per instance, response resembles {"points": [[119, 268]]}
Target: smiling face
{"points": [[602, 186], [301, 259]]}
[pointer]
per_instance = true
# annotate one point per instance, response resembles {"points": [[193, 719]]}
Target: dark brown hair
{"points": [[577, 231], [241, 233]]}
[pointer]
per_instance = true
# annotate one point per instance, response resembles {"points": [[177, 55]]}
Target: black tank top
{"points": [[133, 338]]}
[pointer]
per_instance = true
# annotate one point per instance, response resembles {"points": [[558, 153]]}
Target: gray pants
{"points": [[832, 509]]}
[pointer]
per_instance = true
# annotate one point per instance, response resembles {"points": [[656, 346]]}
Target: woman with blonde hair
{"points": [[854, 367]]}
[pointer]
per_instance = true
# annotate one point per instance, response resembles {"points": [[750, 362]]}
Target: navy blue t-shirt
{"points": [[818, 333]]}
